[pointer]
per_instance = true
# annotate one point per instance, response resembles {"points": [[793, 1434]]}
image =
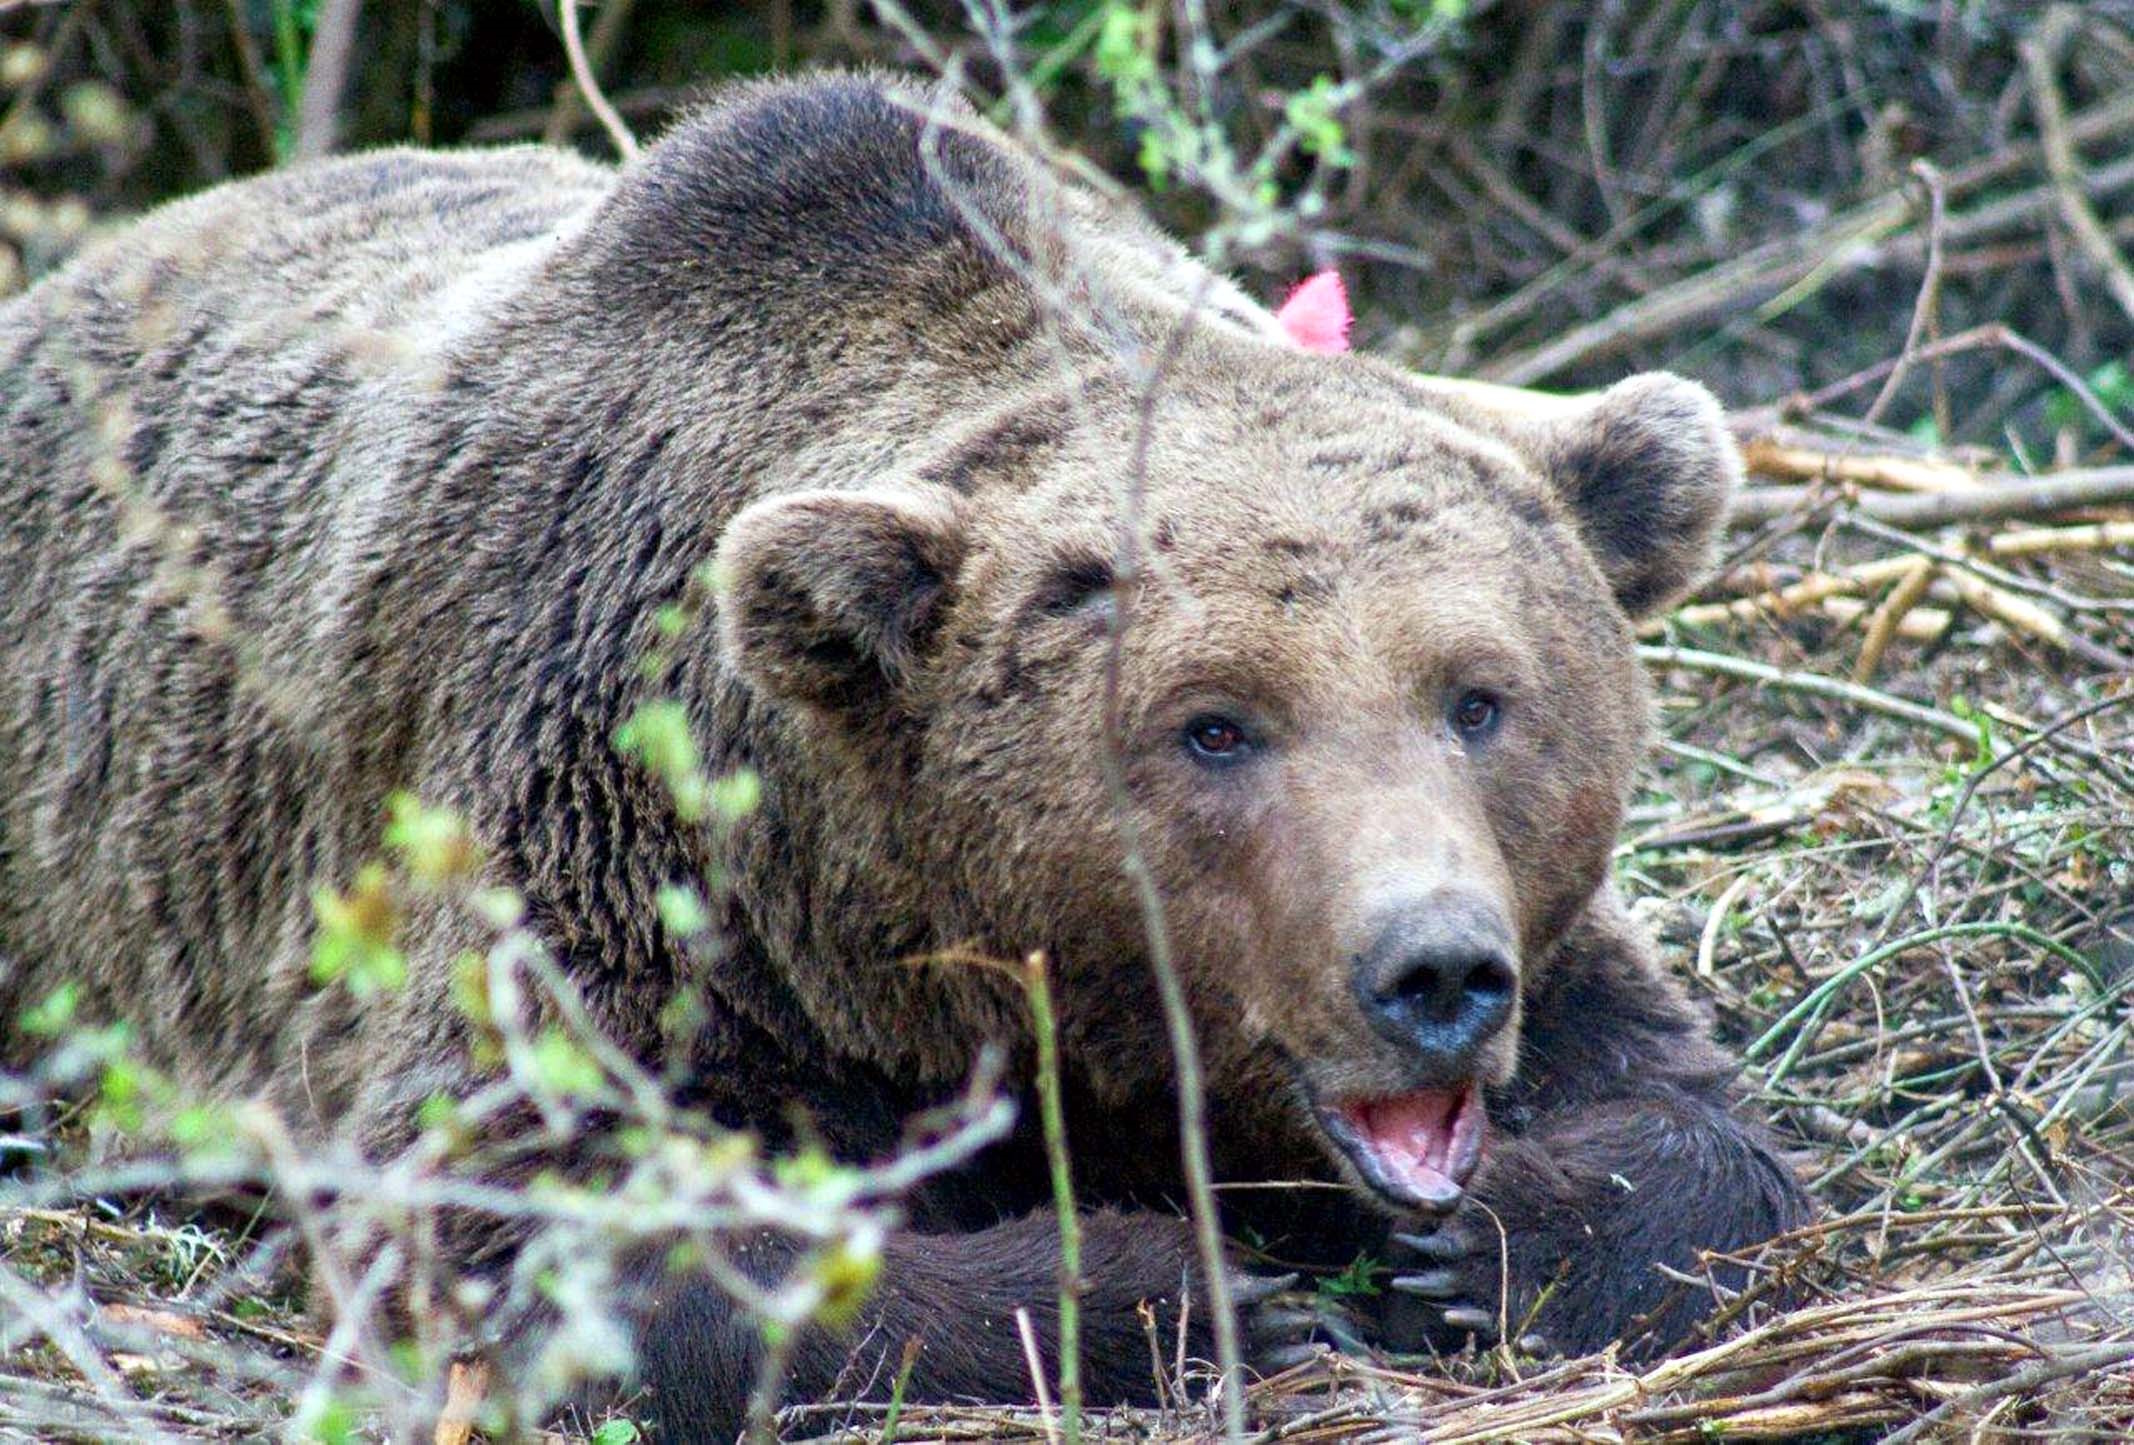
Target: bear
{"points": [[1051, 577]]}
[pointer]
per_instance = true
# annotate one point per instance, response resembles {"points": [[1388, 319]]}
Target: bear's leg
{"points": [[1620, 1152], [956, 1295]]}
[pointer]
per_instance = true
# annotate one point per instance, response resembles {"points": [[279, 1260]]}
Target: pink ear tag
{"points": [[1316, 315]]}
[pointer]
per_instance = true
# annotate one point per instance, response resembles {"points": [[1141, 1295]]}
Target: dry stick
{"points": [[1929, 303], [1814, 588], [1826, 589], [1910, 590], [589, 84], [333, 48], [1035, 1364], [1974, 558], [2041, 58], [1185, 1048], [49, 1317], [2011, 611], [1835, 594], [465, 1384], [2097, 537], [563, 115], [2076, 1362], [1765, 270], [1813, 684], [1918, 624], [1767, 456], [2067, 491], [2028, 542]]}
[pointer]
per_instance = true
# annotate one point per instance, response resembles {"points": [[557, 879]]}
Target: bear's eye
{"points": [[1475, 715], [1216, 739]]}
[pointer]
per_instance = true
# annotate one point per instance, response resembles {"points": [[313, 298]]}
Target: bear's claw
{"points": [[1479, 1323], [1456, 1291], [1430, 1284], [1441, 1244], [1291, 1327]]}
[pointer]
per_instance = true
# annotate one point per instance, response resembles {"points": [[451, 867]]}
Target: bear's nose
{"points": [[1440, 978]]}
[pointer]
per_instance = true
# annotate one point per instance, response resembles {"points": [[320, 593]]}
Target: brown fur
{"points": [[445, 432]]}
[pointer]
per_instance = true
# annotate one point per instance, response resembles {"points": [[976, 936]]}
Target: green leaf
{"points": [[335, 1424], [657, 735], [50, 1018], [737, 794], [355, 939], [1311, 113], [681, 909], [434, 844], [565, 1068], [1125, 49]]}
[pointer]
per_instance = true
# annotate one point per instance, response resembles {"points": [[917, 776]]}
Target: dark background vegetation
{"points": [[1562, 159]]}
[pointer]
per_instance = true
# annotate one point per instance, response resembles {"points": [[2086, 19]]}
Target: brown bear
{"points": [[1042, 553]]}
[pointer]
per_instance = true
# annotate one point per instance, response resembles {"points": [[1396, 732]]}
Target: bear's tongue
{"points": [[1426, 1143]]}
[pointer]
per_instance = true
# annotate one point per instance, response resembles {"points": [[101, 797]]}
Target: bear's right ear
{"points": [[1647, 468], [829, 598]]}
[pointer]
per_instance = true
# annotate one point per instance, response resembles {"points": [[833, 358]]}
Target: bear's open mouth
{"points": [[1415, 1149]]}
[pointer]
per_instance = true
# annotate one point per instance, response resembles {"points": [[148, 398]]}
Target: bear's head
{"points": [[1352, 686], [1318, 677]]}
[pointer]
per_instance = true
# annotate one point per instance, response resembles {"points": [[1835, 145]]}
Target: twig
{"points": [[1970, 790], [1816, 587], [1840, 242], [562, 120], [333, 47], [2041, 57], [1811, 683], [1817, 1001], [1035, 1363], [1929, 303], [1910, 590], [589, 84], [2031, 542], [259, 98], [1767, 269], [2012, 611], [1973, 558], [2067, 491], [1766, 456], [1918, 624], [2076, 1362], [465, 1384]]}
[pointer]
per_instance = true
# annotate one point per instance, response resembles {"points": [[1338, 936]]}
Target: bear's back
{"points": [[356, 239], [203, 420]]}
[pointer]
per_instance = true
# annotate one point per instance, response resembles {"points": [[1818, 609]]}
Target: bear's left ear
{"points": [[1648, 467], [829, 598]]}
